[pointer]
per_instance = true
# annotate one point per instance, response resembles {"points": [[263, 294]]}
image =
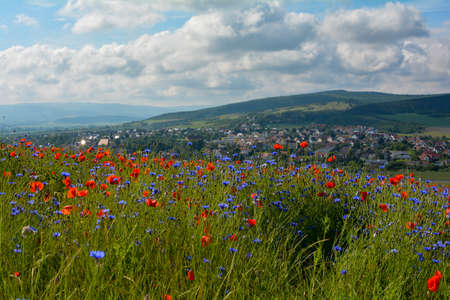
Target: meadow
{"points": [[92, 224]]}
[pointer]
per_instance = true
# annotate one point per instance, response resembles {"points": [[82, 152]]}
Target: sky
{"points": [[212, 52]]}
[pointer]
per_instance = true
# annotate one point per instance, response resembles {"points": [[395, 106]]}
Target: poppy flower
{"points": [[277, 147], [167, 297], [210, 167], [135, 173], [383, 207], [81, 158], [113, 179], [363, 195], [86, 212], [13, 154], [330, 184], [72, 193], [17, 274], [433, 282], [82, 193], [304, 144], [151, 202], [410, 225], [206, 240], [393, 181], [331, 158], [91, 184], [190, 275], [36, 186], [251, 222]]}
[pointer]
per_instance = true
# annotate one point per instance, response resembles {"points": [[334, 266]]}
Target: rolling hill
{"points": [[397, 112]]}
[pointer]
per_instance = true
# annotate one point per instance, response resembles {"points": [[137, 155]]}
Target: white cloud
{"points": [[391, 23], [26, 20], [3, 27], [230, 55], [97, 15]]}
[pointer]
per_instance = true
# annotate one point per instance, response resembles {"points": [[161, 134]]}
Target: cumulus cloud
{"points": [[229, 55], [26, 20], [96, 15], [391, 23]]}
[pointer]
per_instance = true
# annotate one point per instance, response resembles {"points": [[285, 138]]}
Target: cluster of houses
{"points": [[370, 145]]}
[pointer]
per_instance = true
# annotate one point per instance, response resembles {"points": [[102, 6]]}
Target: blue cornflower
{"points": [[97, 254], [394, 251], [337, 248], [206, 260], [257, 241], [233, 250], [343, 271], [56, 234]]}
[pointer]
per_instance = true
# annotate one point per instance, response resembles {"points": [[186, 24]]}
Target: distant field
{"points": [[432, 131], [334, 105], [420, 119]]}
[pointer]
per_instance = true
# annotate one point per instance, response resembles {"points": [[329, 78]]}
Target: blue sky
{"points": [[175, 52]]}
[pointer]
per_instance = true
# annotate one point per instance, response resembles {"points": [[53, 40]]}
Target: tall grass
{"points": [[309, 241]]}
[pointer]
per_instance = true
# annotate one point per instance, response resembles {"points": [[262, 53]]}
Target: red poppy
{"points": [[433, 282], [363, 195], [72, 193], [151, 202], [82, 193], [91, 184], [113, 179], [304, 144], [206, 240], [13, 154], [277, 147], [190, 275], [6, 173], [167, 297], [17, 274], [135, 173], [210, 166], [251, 222], [410, 225], [383, 207], [233, 237], [81, 158], [36, 186], [86, 212], [331, 158], [330, 184]]}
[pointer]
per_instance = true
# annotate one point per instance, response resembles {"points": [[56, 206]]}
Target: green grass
{"points": [[290, 253], [425, 120]]}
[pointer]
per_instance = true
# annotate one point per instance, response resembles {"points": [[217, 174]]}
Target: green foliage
{"points": [[305, 233]]}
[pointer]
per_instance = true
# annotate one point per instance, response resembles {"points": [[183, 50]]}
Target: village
{"points": [[365, 145]]}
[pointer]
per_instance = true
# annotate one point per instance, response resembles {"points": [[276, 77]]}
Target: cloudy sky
{"points": [[210, 52]]}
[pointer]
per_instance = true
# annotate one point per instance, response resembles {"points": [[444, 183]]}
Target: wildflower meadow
{"points": [[93, 224]]}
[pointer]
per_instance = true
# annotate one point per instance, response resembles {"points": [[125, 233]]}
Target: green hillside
{"points": [[396, 112]]}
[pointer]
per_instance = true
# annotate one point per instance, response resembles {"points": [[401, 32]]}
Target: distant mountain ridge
{"points": [[77, 114], [330, 107]]}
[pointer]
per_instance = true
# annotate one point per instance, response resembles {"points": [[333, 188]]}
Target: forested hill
{"points": [[331, 107]]}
